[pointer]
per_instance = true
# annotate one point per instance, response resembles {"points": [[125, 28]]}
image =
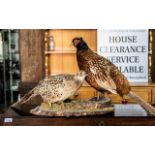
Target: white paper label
{"points": [[8, 120]]}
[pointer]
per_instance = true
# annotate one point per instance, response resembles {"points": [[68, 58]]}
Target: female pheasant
{"points": [[104, 75], [56, 88]]}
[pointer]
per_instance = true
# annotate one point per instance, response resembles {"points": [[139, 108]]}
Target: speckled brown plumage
{"points": [[105, 76], [56, 88]]}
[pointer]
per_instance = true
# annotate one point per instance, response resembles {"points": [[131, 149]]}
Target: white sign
{"points": [[128, 50]]}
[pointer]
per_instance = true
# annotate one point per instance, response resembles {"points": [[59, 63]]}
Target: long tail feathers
{"points": [[24, 99], [150, 109]]}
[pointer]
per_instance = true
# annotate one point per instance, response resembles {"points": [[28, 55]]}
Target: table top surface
{"points": [[12, 118]]}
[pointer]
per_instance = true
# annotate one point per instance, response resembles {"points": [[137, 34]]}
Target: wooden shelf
{"points": [[63, 58], [60, 52]]}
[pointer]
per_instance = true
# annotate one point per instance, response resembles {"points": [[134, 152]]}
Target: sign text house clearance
{"points": [[128, 50]]}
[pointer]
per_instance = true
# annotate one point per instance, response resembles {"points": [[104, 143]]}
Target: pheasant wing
{"points": [[102, 77]]}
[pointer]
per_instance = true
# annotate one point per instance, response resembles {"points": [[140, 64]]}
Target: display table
{"points": [[1, 120], [11, 118]]}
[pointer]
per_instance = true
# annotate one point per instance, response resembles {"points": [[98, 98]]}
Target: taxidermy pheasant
{"points": [[56, 88], [104, 75]]}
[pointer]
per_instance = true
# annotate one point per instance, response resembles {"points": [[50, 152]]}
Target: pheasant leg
{"points": [[62, 105], [99, 95], [124, 101]]}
